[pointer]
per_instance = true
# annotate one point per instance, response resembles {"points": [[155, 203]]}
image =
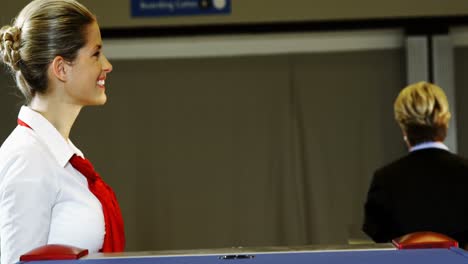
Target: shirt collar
{"points": [[431, 144], [49, 135]]}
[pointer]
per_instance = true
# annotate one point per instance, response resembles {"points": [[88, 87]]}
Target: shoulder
{"points": [[392, 167], [427, 162], [438, 158], [457, 161], [424, 158], [23, 158]]}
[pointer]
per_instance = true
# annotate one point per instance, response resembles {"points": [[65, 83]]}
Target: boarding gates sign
{"points": [[165, 8]]}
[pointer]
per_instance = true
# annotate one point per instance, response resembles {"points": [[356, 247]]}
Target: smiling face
{"points": [[85, 84]]}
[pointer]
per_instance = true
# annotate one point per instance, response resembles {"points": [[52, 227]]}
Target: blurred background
{"points": [[260, 126]]}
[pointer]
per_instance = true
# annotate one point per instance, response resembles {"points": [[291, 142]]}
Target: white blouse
{"points": [[43, 199]]}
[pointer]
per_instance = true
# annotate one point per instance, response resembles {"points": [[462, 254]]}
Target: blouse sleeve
{"points": [[27, 194]]}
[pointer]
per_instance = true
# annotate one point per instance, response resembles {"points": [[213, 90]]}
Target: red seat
{"points": [[424, 240]]}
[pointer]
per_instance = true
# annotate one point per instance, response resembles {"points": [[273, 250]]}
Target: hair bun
{"points": [[9, 46]]}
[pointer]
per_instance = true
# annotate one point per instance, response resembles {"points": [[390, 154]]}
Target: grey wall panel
{"points": [[461, 93], [444, 76], [417, 61]]}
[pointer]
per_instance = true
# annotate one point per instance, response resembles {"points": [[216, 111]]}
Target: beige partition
{"points": [[247, 151]]}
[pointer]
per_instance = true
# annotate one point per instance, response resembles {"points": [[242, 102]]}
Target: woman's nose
{"points": [[107, 66]]}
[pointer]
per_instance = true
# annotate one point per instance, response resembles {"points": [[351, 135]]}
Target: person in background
{"points": [[426, 190], [49, 193]]}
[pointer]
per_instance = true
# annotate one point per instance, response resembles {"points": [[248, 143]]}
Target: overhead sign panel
{"points": [[163, 8]]}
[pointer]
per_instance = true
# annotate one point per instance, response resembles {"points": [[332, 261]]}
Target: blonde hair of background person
{"points": [[422, 111], [50, 194]]}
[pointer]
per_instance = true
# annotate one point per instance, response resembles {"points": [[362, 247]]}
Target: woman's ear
{"points": [[60, 67]]}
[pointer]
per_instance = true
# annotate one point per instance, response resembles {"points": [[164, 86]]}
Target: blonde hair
{"points": [[43, 30], [422, 111]]}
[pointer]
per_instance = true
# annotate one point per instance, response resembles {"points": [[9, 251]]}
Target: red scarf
{"points": [[114, 239]]}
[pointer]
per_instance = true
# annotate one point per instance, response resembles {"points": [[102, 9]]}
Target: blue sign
{"points": [[156, 8]]}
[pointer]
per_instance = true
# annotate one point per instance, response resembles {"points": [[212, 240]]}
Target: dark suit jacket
{"points": [[427, 190]]}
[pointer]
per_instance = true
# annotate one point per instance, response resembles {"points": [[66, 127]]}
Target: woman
{"points": [[50, 194], [426, 189]]}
